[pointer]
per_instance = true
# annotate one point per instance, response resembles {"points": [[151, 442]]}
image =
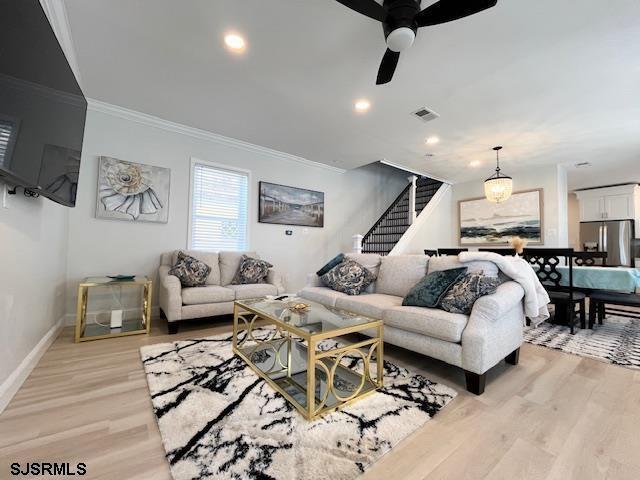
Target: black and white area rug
{"points": [[617, 341], [219, 420]]}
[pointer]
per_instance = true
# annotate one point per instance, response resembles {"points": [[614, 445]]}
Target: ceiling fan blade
{"points": [[387, 67], [370, 8], [448, 10]]}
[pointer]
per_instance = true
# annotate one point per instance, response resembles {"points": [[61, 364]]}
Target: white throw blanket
{"points": [[536, 298]]}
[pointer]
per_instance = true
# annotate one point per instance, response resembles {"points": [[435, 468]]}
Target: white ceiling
{"points": [[554, 81]]}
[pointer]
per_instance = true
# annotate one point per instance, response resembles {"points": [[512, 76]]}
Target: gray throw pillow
{"points": [[464, 293], [251, 270], [190, 271], [430, 291], [348, 277], [337, 260]]}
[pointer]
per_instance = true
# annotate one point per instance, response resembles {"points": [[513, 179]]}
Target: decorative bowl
{"points": [[298, 307]]}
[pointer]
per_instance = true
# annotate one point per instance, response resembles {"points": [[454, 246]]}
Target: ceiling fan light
{"points": [[400, 39]]}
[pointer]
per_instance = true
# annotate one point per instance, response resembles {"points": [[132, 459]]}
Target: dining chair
{"points": [[501, 251], [431, 253], [564, 297], [590, 259], [451, 251]]}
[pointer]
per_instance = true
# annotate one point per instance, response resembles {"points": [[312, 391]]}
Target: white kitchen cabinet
{"points": [[591, 208], [621, 202]]}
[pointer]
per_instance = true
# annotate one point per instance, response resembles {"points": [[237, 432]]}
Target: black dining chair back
{"points": [[451, 251], [590, 259], [431, 253], [500, 251], [562, 292]]}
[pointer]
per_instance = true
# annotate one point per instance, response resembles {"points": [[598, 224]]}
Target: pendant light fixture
{"points": [[498, 187]]}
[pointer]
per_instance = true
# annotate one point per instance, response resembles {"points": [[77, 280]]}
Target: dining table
{"points": [[590, 278], [618, 279]]}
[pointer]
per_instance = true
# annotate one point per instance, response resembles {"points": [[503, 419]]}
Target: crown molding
{"points": [[56, 12], [415, 171], [156, 122]]}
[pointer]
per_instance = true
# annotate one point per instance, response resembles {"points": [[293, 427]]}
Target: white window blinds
{"points": [[6, 130], [219, 208]]}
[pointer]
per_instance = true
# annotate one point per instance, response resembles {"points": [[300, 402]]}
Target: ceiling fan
{"points": [[402, 18]]}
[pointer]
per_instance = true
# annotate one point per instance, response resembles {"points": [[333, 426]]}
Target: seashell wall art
{"points": [[132, 191]]}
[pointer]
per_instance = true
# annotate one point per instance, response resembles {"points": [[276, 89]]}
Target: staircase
{"points": [[393, 223]]}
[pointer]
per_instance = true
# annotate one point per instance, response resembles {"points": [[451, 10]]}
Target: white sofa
{"points": [[217, 297], [475, 343]]}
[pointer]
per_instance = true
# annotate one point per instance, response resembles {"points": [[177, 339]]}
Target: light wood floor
{"points": [[554, 416]]}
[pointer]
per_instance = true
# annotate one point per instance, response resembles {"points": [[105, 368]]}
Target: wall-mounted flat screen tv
{"points": [[42, 108]]}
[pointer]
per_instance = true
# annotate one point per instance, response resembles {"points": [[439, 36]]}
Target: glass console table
{"points": [[114, 308]]}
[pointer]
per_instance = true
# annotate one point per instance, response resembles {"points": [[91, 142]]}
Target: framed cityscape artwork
{"points": [[285, 205]]}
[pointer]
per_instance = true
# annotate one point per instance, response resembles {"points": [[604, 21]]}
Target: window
{"points": [[219, 208]]}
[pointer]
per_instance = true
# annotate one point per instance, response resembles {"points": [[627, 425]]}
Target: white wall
{"points": [[573, 218], [33, 251], [353, 201]]}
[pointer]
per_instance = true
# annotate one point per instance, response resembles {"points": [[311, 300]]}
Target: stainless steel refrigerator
{"points": [[614, 237]]}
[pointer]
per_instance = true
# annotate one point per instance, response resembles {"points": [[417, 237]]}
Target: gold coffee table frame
{"points": [[328, 361], [83, 299]]}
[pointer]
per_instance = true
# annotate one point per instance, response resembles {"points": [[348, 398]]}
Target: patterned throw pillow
{"points": [[337, 260], [464, 293], [251, 270], [348, 277], [191, 271], [430, 291]]}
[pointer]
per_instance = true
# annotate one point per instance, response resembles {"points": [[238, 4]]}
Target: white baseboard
{"points": [[12, 384]]}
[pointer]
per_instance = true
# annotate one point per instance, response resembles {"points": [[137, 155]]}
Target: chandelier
{"points": [[498, 187]]}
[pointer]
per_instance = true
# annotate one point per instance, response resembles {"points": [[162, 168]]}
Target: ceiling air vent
{"points": [[425, 114]]}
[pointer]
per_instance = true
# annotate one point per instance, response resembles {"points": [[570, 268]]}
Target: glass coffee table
{"points": [[315, 336]]}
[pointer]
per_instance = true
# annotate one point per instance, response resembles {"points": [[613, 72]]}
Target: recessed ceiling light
{"points": [[235, 42], [475, 163], [432, 140], [362, 105]]}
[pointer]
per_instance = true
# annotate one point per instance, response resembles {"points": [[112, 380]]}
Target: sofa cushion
{"points": [[398, 273], [210, 258], [349, 277], [253, 290], [190, 271], [323, 295], [431, 322], [251, 270], [207, 294], [369, 304], [370, 261], [429, 291], [447, 262], [464, 293], [229, 264]]}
